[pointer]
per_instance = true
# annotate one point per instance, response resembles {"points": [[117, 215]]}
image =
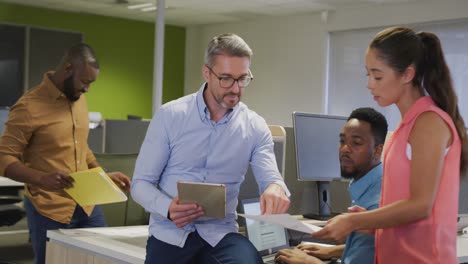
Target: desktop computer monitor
{"points": [[316, 141]]}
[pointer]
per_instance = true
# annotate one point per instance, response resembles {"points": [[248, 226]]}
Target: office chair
{"points": [[130, 212], [249, 188], [279, 138], [10, 213]]}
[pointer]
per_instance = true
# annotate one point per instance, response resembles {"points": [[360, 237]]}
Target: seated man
{"points": [[360, 149]]}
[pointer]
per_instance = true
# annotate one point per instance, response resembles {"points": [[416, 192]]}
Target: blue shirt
{"points": [[365, 192], [184, 144]]}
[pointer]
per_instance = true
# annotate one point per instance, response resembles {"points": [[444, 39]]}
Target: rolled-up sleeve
{"points": [[150, 164], [16, 135], [90, 158]]}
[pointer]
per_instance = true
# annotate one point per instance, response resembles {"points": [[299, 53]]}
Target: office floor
{"points": [[14, 245]]}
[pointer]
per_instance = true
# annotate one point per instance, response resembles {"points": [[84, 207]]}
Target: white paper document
{"points": [[285, 220]]}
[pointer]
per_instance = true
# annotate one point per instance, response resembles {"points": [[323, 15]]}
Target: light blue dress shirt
{"points": [[365, 192], [184, 144]]}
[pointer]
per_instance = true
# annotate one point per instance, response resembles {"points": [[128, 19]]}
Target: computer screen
{"points": [[316, 140], [266, 237]]}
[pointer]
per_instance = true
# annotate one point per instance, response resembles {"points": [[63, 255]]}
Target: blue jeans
{"points": [[39, 224], [233, 248]]}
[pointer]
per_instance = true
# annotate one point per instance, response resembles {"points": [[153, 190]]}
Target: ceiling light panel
{"points": [[149, 9], [139, 6]]}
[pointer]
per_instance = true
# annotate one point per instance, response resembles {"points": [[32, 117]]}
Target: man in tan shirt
{"points": [[45, 139]]}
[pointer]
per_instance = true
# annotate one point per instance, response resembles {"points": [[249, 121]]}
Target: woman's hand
{"points": [[337, 228]]}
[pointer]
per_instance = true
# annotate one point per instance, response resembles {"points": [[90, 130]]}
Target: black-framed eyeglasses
{"points": [[227, 81]]}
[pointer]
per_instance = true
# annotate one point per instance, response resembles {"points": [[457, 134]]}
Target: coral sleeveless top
{"points": [[432, 240]]}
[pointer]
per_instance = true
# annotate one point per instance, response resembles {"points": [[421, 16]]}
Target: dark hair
{"points": [[401, 47], [377, 121], [81, 53]]}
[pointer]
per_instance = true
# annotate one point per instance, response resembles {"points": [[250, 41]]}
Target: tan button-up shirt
{"points": [[47, 132]]}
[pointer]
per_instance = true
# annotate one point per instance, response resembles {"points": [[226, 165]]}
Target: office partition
{"points": [[124, 136], [124, 213]]}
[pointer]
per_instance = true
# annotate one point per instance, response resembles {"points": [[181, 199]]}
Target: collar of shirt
{"points": [[359, 187], [52, 90], [205, 112]]}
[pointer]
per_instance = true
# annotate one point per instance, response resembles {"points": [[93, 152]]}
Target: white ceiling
{"points": [[193, 12]]}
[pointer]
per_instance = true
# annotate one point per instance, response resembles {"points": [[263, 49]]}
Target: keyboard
{"points": [[269, 259]]}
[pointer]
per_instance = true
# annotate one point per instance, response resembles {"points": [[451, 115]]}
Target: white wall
{"points": [[290, 53]]}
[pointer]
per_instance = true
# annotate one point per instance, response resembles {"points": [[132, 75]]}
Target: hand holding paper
{"points": [[121, 180], [55, 181], [285, 220], [93, 187]]}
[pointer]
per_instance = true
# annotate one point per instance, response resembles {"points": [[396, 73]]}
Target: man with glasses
{"points": [[209, 136]]}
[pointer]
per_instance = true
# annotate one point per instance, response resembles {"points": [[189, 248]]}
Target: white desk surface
{"points": [[121, 244], [462, 249], [127, 244], [5, 182]]}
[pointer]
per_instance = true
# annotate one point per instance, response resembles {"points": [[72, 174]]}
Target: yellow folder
{"points": [[94, 186]]}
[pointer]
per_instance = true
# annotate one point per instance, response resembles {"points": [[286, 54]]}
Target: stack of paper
{"points": [[93, 187]]}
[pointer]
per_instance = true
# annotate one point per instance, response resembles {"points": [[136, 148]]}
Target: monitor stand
{"points": [[324, 202]]}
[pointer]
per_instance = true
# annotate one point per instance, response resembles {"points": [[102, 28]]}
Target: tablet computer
{"points": [[210, 196]]}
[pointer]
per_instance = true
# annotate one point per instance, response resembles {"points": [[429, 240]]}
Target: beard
{"points": [[224, 105], [348, 175], [69, 89]]}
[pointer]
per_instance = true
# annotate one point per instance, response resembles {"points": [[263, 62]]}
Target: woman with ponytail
{"points": [[424, 158]]}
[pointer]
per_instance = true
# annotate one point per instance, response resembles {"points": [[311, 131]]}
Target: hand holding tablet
{"points": [[210, 196]]}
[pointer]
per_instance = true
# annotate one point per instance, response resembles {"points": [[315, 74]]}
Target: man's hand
{"points": [[55, 181], [51, 181], [274, 200], [295, 256], [122, 180], [183, 214]]}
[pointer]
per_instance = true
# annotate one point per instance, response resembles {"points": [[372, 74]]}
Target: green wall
{"points": [[125, 49]]}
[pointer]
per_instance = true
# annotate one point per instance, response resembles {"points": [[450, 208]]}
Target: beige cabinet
{"points": [[58, 253]]}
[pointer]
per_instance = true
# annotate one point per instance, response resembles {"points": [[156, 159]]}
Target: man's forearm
{"points": [[18, 172], [93, 164], [337, 251]]}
